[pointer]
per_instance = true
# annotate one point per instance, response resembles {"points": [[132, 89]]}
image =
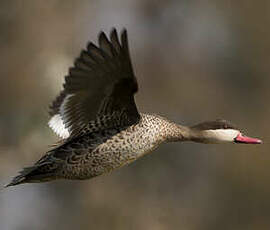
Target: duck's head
{"points": [[220, 131]]}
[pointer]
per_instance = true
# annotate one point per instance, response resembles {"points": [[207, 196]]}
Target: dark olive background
{"points": [[194, 60]]}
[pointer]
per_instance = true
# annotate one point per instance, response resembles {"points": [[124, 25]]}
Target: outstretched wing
{"points": [[100, 89]]}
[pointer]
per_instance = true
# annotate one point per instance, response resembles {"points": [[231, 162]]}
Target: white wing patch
{"points": [[62, 106], [57, 125]]}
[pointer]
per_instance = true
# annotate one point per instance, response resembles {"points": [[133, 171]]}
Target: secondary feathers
{"points": [[101, 84]]}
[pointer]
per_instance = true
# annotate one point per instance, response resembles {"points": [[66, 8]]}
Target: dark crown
{"points": [[212, 125]]}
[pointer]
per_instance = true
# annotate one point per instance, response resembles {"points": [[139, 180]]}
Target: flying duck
{"points": [[101, 129]]}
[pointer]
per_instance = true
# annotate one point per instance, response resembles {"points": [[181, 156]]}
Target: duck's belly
{"points": [[112, 155], [117, 151]]}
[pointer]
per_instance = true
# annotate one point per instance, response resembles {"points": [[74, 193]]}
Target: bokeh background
{"points": [[194, 60]]}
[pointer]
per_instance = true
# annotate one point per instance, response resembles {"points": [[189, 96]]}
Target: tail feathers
{"points": [[33, 174], [21, 178]]}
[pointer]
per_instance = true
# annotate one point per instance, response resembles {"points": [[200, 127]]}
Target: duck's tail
{"points": [[44, 170]]}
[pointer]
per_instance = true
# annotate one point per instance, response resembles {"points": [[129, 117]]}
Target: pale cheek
{"points": [[227, 135]]}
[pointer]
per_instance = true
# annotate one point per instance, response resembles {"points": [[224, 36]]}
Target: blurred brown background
{"points": [[194, 60]]}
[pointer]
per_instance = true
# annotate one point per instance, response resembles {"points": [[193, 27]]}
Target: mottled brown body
{"points": [[101, 152], [97, 118]]}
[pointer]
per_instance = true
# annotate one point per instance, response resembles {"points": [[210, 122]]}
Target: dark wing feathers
{"points": [[101, 83], [115, 41], [54, 107], [105, 45]]}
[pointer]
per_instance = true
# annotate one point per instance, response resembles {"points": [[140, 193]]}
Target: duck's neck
{"points": [[176, 133], [166, 130]]}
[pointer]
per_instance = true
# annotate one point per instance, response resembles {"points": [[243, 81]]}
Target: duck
{"points": [[101, 128]]}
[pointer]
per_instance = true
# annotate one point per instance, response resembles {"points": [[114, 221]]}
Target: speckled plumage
{"points": [[113, 148], [97, 116], [102, 151]]}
